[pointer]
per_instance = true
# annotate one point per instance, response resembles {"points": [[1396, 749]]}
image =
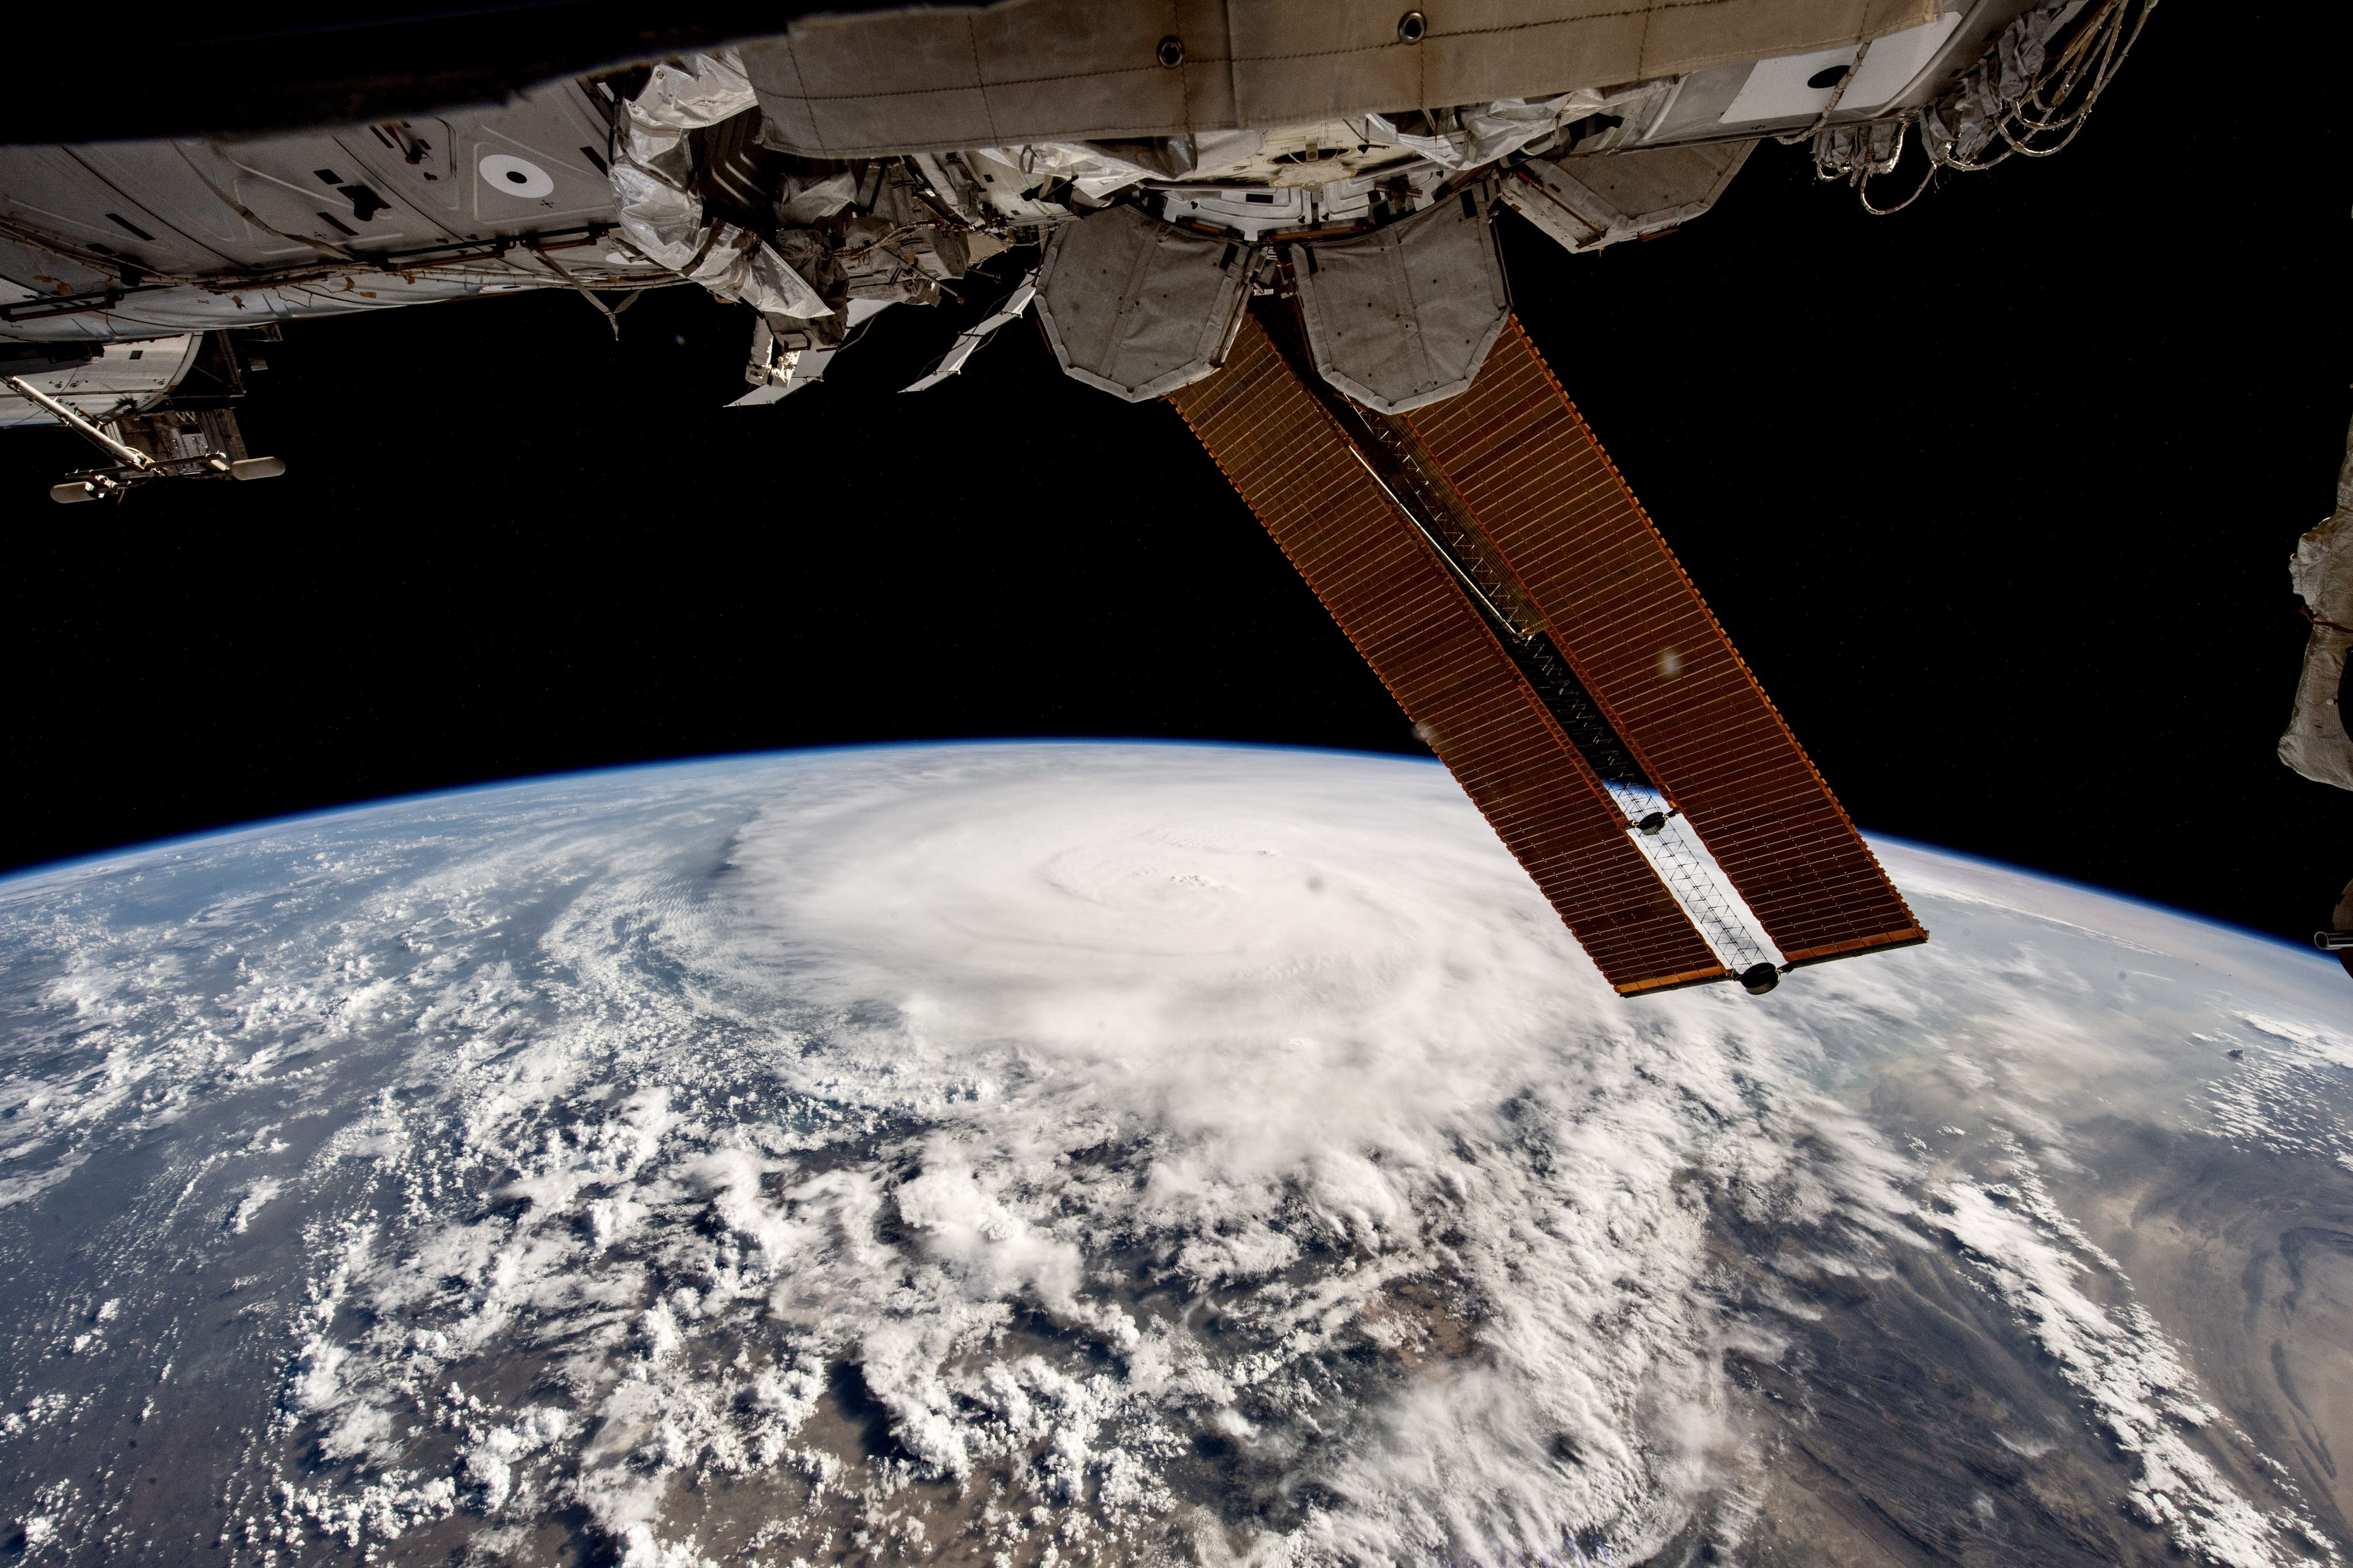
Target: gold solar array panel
{"points": [[1397, 602], [1619, 605]]}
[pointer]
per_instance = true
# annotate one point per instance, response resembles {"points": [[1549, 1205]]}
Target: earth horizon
{"points": [[1031, 1153]]}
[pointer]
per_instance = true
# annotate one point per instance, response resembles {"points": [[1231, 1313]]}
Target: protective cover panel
{"points": [[1588, 202], [1405, 315], [1619, 605], [1397, 602], [1134, 306]]}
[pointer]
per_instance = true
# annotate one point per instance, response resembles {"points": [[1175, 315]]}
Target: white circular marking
{"points": [[513, 176]]}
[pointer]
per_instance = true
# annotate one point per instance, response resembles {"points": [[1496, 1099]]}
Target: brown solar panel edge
{"points": [[1397, 604], [1881, 943], [1539, 486]]}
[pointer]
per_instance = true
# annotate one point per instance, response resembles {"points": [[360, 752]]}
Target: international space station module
{"points": [[1276, 216]]}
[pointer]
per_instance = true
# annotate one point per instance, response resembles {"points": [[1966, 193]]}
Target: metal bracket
{"points": [[133, 466]]}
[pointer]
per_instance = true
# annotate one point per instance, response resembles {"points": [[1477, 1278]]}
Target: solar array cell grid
{"points": [[1621, 607], [1402, 610]]}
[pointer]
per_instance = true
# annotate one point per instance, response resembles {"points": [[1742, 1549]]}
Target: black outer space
{"points": [[1997, 496]]}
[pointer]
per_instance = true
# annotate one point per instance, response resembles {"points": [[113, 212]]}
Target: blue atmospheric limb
{"points": [[1134, 1151]]}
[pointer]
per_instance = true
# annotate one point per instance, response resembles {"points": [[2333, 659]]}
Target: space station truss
{"points": [[1489, 562]]}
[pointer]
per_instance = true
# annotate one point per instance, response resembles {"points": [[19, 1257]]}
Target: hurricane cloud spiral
{"points": [[1040, 1154]]}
